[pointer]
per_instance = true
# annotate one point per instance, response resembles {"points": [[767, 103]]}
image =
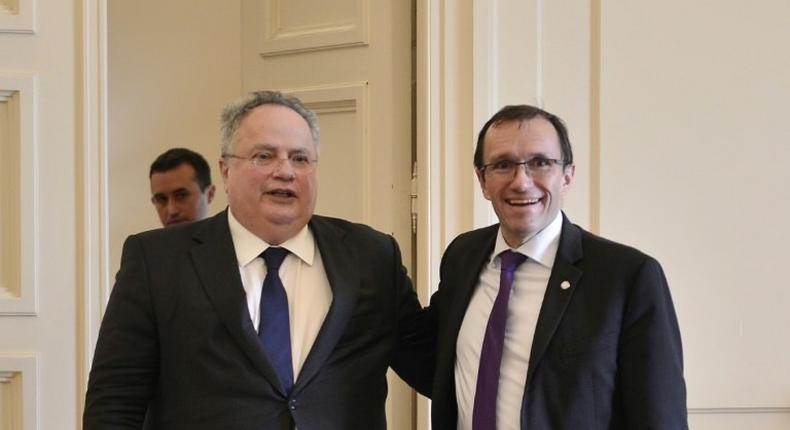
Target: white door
{"points": [[351, 62], [40, 216]]}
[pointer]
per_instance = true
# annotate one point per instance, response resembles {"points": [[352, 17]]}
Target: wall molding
{"points": [[94, 279], [275, 38], [20, 294], [739, 410], [17, 16]]}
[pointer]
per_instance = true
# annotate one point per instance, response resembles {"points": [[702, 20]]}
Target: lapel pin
{"points": [[565, 285]]}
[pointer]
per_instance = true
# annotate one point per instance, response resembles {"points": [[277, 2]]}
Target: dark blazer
{"points": [[606, 352], [177, 346]]}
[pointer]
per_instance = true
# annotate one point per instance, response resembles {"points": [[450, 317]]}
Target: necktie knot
{"points": [[274, 257], [510, 260]]}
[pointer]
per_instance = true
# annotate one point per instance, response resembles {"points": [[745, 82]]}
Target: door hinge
{"points": [[413, 198]]}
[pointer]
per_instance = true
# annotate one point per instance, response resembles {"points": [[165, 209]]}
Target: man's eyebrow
{"points": [[272, 147], [528, 156]]}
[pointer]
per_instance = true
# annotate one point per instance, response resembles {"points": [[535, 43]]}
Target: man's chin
{"points": [[285, 220]]}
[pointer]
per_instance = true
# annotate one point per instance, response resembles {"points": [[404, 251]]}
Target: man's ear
{"points": [[481, 179], [567, 177], [210, 193], [223, 170]]}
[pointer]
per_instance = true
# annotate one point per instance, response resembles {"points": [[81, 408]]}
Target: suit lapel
{"points": [[215, 262], [466, 282], [556, 298], [462, 263], [339, 263]]}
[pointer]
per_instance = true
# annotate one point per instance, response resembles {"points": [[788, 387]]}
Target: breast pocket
{"points": [[591, 348]]}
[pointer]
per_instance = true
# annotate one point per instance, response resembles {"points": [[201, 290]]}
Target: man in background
{"points": [[181, 188], [541, 324]]}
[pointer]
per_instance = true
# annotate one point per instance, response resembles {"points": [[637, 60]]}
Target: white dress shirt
{"points": [[304, 279], [526, 298]]}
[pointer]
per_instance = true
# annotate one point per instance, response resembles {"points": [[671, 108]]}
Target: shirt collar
{"points": [[541, 248], [248, 246]]}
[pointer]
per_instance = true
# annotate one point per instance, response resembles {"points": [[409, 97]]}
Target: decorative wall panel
{"points": [[343, 118], [288, 26], [17, 16], [18, 383], [18, 188]]}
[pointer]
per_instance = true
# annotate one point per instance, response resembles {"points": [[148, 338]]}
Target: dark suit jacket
{"points": [[177, 345], [606, 352]]}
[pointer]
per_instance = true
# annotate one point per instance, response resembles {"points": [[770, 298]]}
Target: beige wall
{"points": [[172, 66]]}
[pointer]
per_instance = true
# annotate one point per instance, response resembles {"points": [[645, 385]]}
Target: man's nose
{"points": [[173, 207], [522, 175], [283, 169]]}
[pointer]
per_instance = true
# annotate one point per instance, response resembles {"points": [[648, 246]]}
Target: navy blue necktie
{"points": [[484, 412], [274, 331]]}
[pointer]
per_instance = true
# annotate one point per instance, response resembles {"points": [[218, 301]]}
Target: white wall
{"points": [[694, 145], [172, 66]]}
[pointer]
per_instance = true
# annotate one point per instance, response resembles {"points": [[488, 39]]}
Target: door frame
{"points": [[93, 283]]}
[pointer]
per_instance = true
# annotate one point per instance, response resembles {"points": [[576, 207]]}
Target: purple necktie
{"points": [[275, 330], [484, 412]]}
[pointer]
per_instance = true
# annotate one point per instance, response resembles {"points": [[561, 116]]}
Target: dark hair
{"points": [[175, 157], [524, 113], [234, 112]]}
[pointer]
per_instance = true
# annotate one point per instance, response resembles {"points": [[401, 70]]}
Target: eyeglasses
{"points": [[268, 162], [506, 169]]}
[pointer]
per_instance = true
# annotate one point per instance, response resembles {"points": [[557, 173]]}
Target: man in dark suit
{"points": [[541, 324], [264, 316]]}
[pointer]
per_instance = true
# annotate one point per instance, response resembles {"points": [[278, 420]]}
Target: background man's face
{"points": [[524, 204], [177, 197]]}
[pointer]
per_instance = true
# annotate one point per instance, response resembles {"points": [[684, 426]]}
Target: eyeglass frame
{"points": [[530, 171], [258, 160]]}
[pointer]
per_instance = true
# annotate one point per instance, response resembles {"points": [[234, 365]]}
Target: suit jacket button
{"points": [[292, 404]]}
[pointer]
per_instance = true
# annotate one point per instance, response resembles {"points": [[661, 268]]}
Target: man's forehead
{"points": [[179, 177], [183, 169], [532, 125], [536, 133]]}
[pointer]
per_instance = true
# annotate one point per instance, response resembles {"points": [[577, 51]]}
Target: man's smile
{"points": [[523, 202]]}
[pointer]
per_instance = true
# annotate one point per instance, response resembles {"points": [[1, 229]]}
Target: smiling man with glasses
{"points": [[541, 324], [264, 316]]}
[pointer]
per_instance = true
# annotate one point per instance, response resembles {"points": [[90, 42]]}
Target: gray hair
{"points": [[234, 113]]}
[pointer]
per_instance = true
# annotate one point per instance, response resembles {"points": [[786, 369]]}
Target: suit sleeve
{"points": [[651, 356], [414, 349], [125, 365]]}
